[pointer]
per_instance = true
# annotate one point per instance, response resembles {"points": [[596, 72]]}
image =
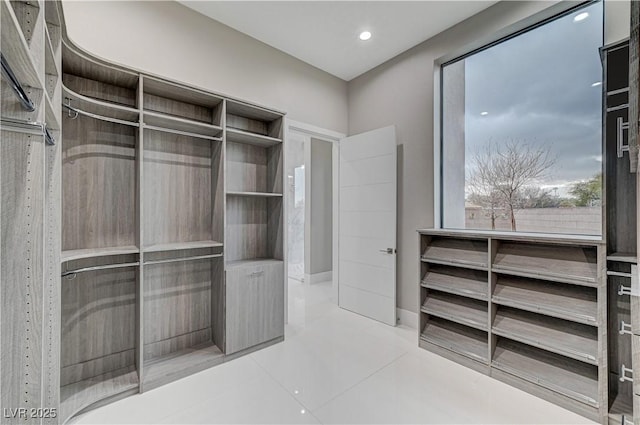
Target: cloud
{"points": [[537, 88]]}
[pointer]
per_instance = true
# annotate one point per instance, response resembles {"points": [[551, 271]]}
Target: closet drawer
{"points": [[255, 303]]}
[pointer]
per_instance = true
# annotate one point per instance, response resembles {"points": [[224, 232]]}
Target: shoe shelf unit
{"points": [[527, 309], [171, 230]]}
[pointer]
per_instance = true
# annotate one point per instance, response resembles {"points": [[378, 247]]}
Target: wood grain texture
{"points": [[620, 182], [552, 238], [22, 270], [246, 235], [188, 96], [457, 338], [246, 168], [458, 251], [183, 363], [563, 301], [464, 311], [551, 261], [254, 305], [173, 346], [177, 188], [52, 282], [77, 63], [75, 397], [240, 136], [15, 48], [634, 85], [99, 107], [569, 377], [559, 336], [98, 320], [178, 108], [124, 96], [98, 184], [469, 283], [12, 107], [177, 301]]}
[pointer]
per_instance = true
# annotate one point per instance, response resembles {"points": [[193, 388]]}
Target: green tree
{"points": [[587, 193]]}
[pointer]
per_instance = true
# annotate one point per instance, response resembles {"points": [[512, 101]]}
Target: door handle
{"points": [[387, 251]]}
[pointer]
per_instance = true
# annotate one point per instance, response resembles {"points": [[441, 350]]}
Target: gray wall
{"points": [[402, 91], [173, 41], [320, 197]]}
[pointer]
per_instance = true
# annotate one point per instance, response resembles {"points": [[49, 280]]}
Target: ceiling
{"points": [[325, 33]]}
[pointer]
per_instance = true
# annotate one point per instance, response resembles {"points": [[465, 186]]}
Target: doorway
{"points": [[310, 158]]}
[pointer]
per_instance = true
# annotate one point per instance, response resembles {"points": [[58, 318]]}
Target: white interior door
{"points": [[367, 225]]}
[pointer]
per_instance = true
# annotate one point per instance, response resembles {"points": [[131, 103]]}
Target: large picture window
{"points": [[521, 126]]}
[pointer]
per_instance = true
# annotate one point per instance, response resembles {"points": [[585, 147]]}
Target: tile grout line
{"points": [[362, 380], [306, 409]]}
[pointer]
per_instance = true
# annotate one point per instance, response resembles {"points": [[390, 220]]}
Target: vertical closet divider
{"points": [[140, 235]]}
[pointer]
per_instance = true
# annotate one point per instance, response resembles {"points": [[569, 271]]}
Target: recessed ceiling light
{"points": [[581, 17], [365, 35], [596, 84], [483, 113]]}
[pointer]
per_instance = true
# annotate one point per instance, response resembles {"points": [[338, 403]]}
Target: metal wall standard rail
{"points": [[7, 72]]}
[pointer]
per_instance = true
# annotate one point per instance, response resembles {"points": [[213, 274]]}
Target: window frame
{"points": [[549, 14]]}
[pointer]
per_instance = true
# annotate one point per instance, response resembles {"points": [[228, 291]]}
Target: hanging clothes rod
{"points": [[77, 112], [7, 72], [34, 127], [173, 260], [618, 108], [73, 273]]}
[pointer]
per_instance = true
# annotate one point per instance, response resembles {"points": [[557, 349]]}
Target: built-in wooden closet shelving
{"points": [[172, 223], [525, 308]]}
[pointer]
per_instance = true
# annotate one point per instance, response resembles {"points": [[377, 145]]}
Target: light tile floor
{"points": [[335, 367]]}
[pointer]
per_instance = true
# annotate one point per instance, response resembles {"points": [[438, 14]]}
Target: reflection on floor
{"points": [[335, 367]]}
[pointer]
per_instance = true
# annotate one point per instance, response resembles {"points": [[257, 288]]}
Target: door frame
{"points": [[334, 137]]}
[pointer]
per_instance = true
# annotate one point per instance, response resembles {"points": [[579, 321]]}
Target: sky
{"points": [[537, 88]]}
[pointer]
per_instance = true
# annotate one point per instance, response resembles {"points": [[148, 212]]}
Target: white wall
{"points": [[402, 91], [173, 41]]}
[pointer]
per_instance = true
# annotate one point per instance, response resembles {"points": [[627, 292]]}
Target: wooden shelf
{"points": [[78, 254], [461, 282], [75, 397], [180, 93], [251, 262], [460, 339], [99, 107], [16, 50], [569, 339], [574, 265], [457, 252], [187, 127], [571, 378], [263, 194], [622, 257], [570, 302], [251, 111], [457, 309], [177, 246], [180, 364], [240, 136]]}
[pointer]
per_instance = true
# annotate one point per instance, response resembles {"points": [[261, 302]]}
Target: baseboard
{"points": [[319, 277], [407, 318]]}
